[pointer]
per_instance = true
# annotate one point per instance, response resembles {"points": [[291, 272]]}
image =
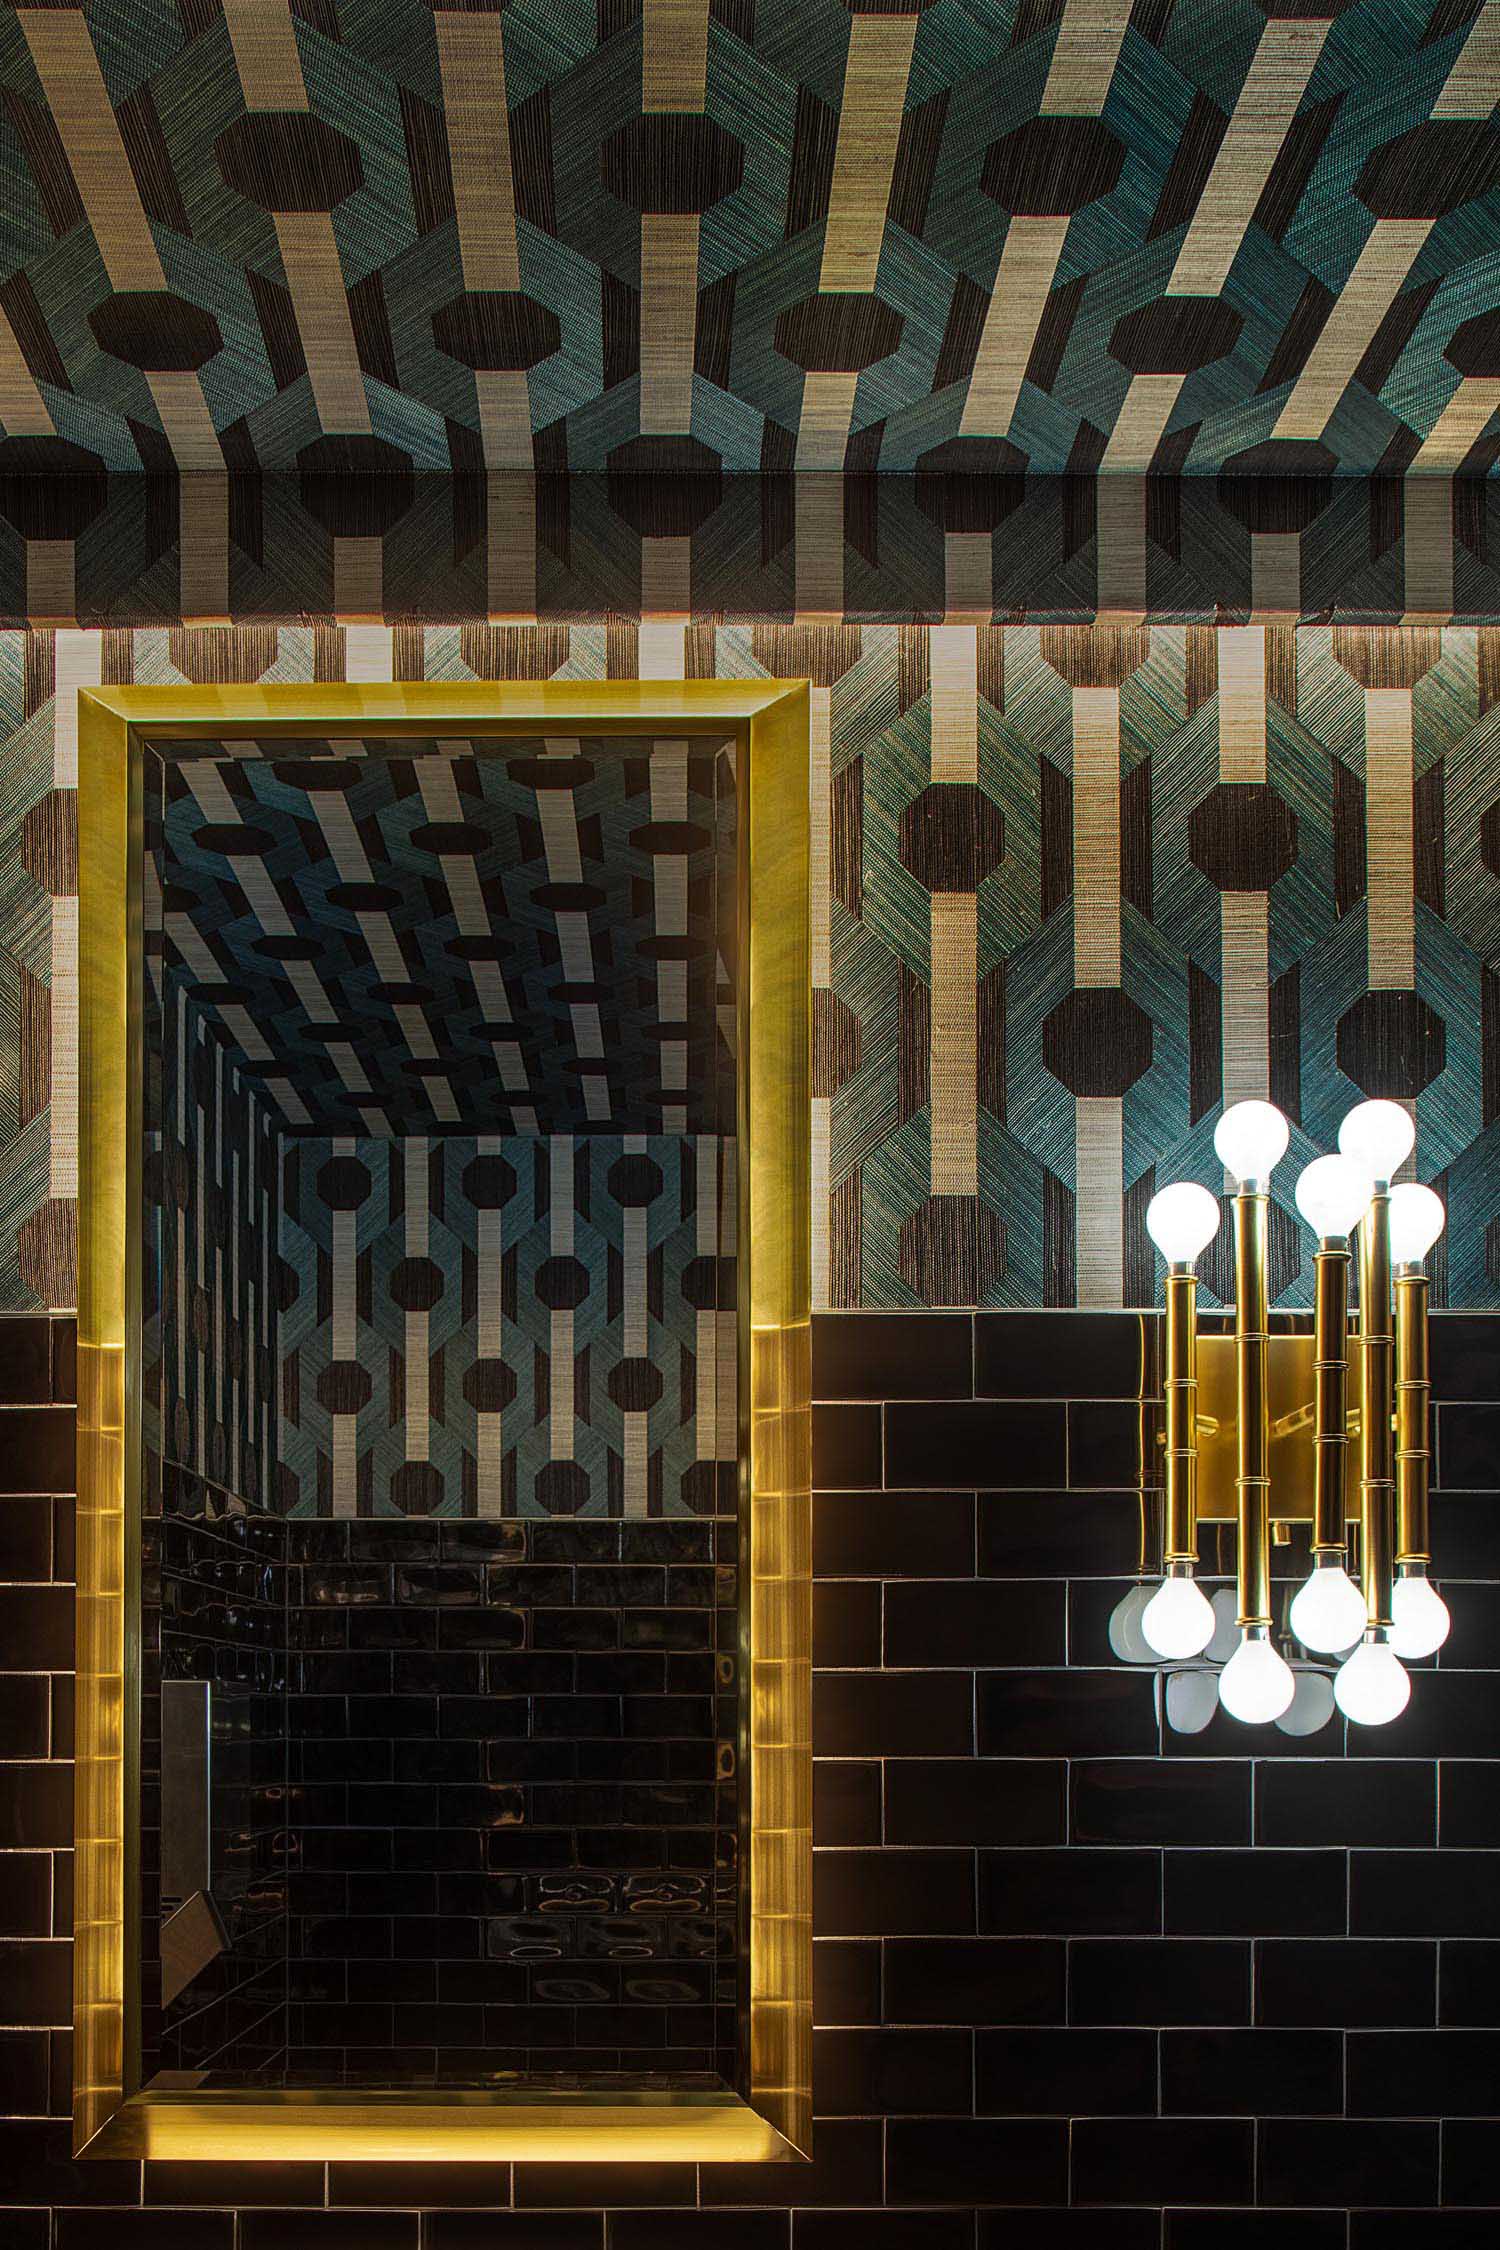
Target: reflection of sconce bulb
{"points": [[1371, 1687], [1379, 1136], [1250, 1140], [1257, 1683]]}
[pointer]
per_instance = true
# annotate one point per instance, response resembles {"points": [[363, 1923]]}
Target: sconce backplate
{"points": [[1291, 1390]]}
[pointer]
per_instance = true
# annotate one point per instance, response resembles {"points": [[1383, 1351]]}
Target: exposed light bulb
{"points": [[1328, 1611], [1311, 1706], [1250, 1140], [1419, 1615], [1417, 1219], [1371, 1686], [1182, 1221], [1178, 1621], [1380, 1136], [1332, 1195], [1256, 1685]]}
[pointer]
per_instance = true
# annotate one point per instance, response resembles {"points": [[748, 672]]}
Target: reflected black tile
{"points": [[846, 1621], [1450, 2073], [1252, 2073], [891, 1534], [1159, 1981], [978, 1442], [328, 2230], [1256, 1894], [1070, 1892], [1344, 1982], [25, 1359], [1067, 1714], [975, 1622], [1426, 1894], [1147, 2159], [1254, 2230], [513, 2230], [1129, 1801], [25, 1717], [892, 1355], [594, 2185], [1337, 2162], [1467, 1447], [846, 1448], [234, 2184], [975, 1801], [846, 1980], [883, 2230], [36, 1449], [892, 2073], [1066, 2073], [1059, 1534], [895, 1714], [1104, 1444], [976, 2160], [876, 1894], [974, 1980], [1325, 1801], [846, 1802], [483, 2184], [143, 2230], [1057, 1355]]}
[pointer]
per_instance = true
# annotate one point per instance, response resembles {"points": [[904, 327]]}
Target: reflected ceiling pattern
{"points": [[744, 236], [458, 936]]}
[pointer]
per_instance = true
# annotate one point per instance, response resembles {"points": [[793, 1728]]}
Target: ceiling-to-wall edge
{"points": [[965, 539]]}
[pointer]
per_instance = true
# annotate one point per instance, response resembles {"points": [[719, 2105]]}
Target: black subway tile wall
{"points": [[1079, 1981]]}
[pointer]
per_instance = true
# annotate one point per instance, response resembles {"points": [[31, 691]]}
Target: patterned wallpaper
{"points": [[436, 937], [519, 1327], [1073, 886]]}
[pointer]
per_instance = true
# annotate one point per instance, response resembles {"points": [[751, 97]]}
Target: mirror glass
{"points": [[439, 1597]]}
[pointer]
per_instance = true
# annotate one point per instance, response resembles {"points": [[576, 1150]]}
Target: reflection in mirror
{"points": [[440, 1705]]}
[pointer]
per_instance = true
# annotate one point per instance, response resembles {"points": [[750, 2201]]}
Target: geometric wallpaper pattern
{"points": [[520, 1327], [455, 937], [1072, 888]]}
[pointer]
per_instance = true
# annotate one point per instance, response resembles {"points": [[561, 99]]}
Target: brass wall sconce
{"points": [[1258, 1428]]}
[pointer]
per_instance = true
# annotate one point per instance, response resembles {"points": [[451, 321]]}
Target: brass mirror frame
{"points": [[113, 2115]]}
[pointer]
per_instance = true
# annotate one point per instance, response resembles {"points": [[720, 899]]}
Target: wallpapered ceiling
{"points": [[459, 937], [1072, 887]]}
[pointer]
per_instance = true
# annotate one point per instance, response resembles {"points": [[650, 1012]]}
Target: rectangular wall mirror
{"points": [[444, 1754]]}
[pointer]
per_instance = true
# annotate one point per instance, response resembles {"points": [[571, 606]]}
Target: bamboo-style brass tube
{"points": [[1251, 1344], [1377, 1463], [1413, 1390], [1331, 1370], [1180, 1541]]}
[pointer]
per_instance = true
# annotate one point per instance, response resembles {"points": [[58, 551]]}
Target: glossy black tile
{"points": [[1442, 2230], [1449, 2073], [23, 2073], [1436, 1894], [64, 1360], [892, 2073], [892, 1534], [1077, 1714], [975, 1801], [888, 1893], [328, 2230], [513, 2230], [847, 1802], [1057, 1355], [981, 1442], [699, 2230], [25, 1538], [1339, 2162], [1253, 2230], [25, 1717], [978, 1622], [36, 1625], [1450, 1712], [976, 2160], [1345, 1981], [484, 2185], [1468, 2174], [846, 1980], [36, 1449], [925, 1355], [1161, 1981], [1073, 2230], [846, 2168], [1135, 1801], [1469, 1982], [1060, 1534], [143, 2230], [1148, 2159], [894, 1714], [1466, 1534], [883, 2230], [25, 1359], [234, 2184], [1256, 1894], [846, 1621], [1070, 1893], [1216, 2073], [1104, 1444], [36, 1977], [974, 1981], [846, 1448], [1023, 2073], [1325, 1801], [1467, 1446]]}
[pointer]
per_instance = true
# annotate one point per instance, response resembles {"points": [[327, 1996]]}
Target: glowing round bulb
{"points": [[1332, 1195], [1328, 1611], [1419, 1615], [1311, 1706], [1256, 1685], [1417, 1219], [1250, 1139], [1178, 1620], [1182, 1221], [1371, 1687], [1379, 1136]]}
